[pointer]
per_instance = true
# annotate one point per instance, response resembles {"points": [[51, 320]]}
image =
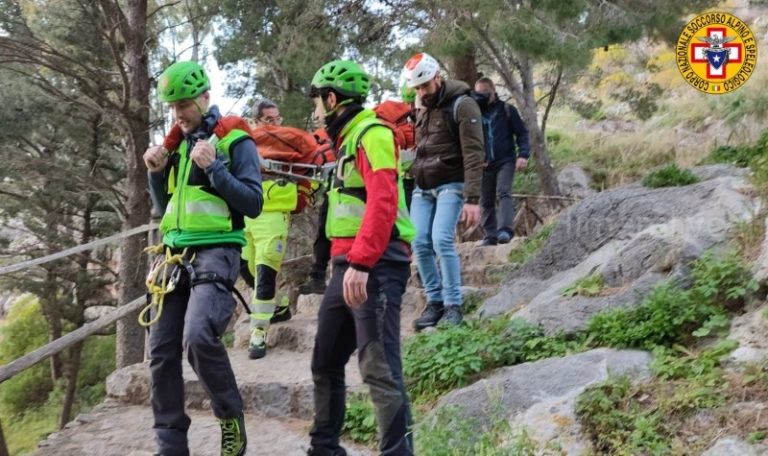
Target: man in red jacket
{"points": [[370, 236]]}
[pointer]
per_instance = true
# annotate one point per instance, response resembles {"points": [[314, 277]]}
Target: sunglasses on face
{"points": [[272, 120]]}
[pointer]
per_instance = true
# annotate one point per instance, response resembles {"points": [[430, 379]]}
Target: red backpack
{"points": [[395, 115], [282, 144], [293, 145]]}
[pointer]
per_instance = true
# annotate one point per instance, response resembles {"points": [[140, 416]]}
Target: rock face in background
{"points": [[634, 237], [574, 182], [541, 396]]}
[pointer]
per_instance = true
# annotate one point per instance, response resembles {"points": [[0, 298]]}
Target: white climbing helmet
{"points": [[419, 69]]}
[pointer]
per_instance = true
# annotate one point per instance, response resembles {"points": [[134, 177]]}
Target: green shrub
{"points": [[744, 155], [670, 315], [590, 286], [531, 244], [438, 361], [623, 418], [670, 176], [24, 330], [616, 424], [97, 362], [360, 419]]}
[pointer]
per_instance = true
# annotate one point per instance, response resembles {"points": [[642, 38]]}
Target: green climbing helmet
{"points": [[344, 76], [407, 94], [182, 81]]}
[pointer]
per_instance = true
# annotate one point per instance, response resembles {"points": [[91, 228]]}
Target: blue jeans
{"points": [[435, 213]]}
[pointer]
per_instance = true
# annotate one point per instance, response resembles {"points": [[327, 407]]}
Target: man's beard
{"points": [[429, 100]]}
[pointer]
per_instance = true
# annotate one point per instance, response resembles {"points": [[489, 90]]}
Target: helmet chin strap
{"points": [[333, 111]]}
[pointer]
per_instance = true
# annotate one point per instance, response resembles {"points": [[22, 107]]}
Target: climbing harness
{"points": [[168, 282]]}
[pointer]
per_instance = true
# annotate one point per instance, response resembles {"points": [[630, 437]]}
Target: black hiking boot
{"points": [[452, 316], [282, 313], [431, 315], [315, 285], [320, 451]]}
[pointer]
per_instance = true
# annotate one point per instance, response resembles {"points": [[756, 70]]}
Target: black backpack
{"points": [[451, 115]]}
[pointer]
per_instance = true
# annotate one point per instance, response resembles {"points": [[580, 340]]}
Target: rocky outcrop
{"points": [[540, 396], [633, 237]]}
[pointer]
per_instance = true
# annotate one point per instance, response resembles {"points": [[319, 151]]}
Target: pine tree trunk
{"points": [[463, 67], [130, 336], [547, 177], [73, 369], [52, 316]]}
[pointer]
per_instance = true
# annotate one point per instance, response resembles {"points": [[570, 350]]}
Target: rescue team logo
{"points": [[716, 53]]}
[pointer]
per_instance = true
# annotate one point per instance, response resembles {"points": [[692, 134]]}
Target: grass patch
{"points": [[690, 397], [449, 433], [670, 176], [687, 404], [531, 244], [228, 339], [671, 314], [589, 286], [30, 403], [437, 362], [360, 420]]}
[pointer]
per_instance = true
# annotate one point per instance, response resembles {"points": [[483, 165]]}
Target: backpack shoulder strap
{"points": [[451, 114]]}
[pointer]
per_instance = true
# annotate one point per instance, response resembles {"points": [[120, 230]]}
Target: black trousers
{"points": [[374, 330], [321, 249], [193, 319], [497, 209]]}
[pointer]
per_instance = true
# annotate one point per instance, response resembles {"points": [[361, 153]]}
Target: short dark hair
{"points": [[261, 105], [324, 91], [487, 81]]}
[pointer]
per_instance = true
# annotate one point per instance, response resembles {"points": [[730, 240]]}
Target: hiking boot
{"points": [[282, 313], [431, 315], [504, 237], [315, 285], [488, 242], [452, 316], [257, 346], [233, 439], [320, 451]]}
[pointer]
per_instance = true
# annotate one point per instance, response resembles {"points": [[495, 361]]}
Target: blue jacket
{"points": [[508, 134]]}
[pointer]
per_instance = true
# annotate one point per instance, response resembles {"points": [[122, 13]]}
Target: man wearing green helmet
{"points": [[205, 183], [370, 234]]}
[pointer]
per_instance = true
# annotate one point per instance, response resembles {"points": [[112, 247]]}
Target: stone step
{"points": [[296, 334], [112, 428], [471, 253], [483, 276], [278, 385]]}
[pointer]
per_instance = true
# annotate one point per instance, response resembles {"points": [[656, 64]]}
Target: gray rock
{"points": [[633, 237], [751, 332], [555, 312], [574, 182], [95, 312], [760, 268], [540, 396], [130, 385], [309, 304], [734, 446]]}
